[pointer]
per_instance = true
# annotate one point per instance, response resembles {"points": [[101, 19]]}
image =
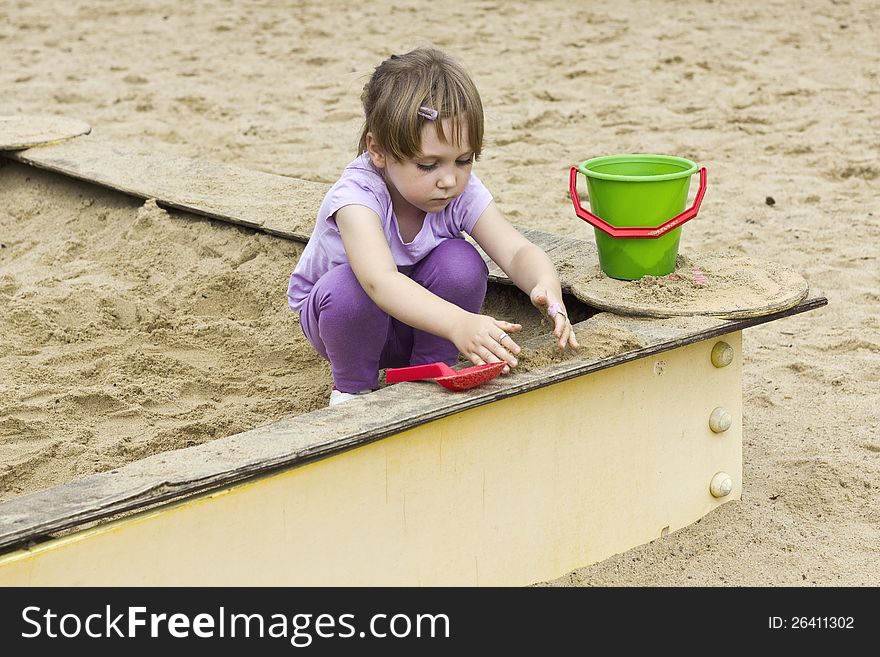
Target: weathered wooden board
{"points": [[19, 132], [268, 202], [720, 285]]}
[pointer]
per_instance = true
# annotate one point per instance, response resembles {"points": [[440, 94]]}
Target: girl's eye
{"points": [[431, 167]]}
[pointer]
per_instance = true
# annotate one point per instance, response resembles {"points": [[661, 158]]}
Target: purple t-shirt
{"points": [[362, 184]]}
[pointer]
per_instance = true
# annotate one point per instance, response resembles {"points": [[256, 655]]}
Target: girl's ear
{"points": [[375, 151]]}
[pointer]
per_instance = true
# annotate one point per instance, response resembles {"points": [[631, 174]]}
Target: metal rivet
{"points": [[722, 354], [720, 420], [721, 485]]}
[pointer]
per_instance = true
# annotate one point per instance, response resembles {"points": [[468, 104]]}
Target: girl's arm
{"points": [[475, 336], [528, 267]]}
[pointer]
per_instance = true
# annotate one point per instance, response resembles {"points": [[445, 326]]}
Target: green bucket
{"points": [[637, 204]]}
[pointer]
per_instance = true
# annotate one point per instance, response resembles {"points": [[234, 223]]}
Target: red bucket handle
{"points": [[636, 231]]}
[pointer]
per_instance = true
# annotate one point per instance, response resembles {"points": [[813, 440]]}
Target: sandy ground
{"points": [[776, 99]]}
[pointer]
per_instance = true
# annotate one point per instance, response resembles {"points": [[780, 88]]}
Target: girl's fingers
{"points": [[496, 345], [500, 352], [499, 347], [488, 357], [507, 344], [572, 339], [503, 339], [565, 332], [508, 327], [559, 324]]}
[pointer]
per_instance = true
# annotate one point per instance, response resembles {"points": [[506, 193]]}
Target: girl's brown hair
{"points": [[424, 77]]}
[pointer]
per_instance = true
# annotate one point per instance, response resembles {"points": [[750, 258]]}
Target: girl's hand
{"points": [[483, 339], [555, 310]]}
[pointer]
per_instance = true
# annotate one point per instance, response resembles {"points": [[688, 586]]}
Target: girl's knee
{"points": [[344, 297], [459, 260], [456, 272]]}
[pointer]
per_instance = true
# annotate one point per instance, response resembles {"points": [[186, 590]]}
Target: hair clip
{"points": [[428, 113]]}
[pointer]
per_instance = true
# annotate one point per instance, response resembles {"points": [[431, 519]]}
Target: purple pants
{"points": [[358, 338]]}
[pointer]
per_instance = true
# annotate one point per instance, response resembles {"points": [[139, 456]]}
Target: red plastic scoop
{"points": [[447, 377]]}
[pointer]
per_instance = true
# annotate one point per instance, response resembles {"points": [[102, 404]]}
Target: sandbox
{"points": [[563, 463]]}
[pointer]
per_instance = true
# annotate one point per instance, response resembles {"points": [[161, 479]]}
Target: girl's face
{"points": [[432, 179]]}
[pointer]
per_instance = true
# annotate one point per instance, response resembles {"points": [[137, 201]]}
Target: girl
{"points": [[387, 280]]}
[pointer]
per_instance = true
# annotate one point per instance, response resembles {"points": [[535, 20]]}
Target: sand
{"points": [[127, 331], [778, 100], [597, 336]]}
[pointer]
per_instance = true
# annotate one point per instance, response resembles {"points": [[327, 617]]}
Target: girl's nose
{"points": [[446, 180]]}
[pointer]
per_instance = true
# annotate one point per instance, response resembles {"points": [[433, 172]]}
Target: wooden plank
{"points": [[569, 256], [324, 432], [719, 285], [275, 204], [19, 132], [547, 241]]}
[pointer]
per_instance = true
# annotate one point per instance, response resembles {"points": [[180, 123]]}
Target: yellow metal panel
{"points": [[520, 490]]}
